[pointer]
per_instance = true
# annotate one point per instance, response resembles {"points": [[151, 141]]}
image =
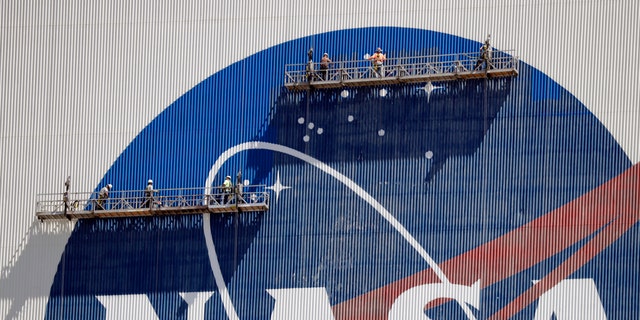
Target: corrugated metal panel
{"points": [[162, 91]]}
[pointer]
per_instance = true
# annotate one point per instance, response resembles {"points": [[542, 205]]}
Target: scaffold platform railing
{"points": [[183, 201], [405, 70]]}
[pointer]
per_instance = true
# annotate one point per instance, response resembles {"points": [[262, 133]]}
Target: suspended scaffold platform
{"points": [[407, 70], [253, 198]]}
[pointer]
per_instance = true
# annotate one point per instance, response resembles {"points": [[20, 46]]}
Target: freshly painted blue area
{"points": [[543, 88], [504, 153]]}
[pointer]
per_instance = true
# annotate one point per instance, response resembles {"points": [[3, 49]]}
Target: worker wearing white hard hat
{"points": [[324, 66], [102, 196], [148, 194]]}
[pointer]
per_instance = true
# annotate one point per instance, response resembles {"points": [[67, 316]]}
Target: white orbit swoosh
{"points": [[213, 259]]}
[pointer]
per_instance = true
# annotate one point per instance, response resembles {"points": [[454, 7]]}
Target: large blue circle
{"points": [[538, 149]]}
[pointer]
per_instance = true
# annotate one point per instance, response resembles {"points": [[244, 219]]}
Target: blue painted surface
{"points": [[504, 153]]}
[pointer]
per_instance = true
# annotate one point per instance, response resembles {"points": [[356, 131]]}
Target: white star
{"points": [[428, 88], [277, 186]]}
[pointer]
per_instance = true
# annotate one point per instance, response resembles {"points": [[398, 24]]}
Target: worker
{"points": [[485, 55], [102, 196], [309, 69], [148, 194], [226, 189], [324, 66], [239, 185], [377, 61], [65, 195], [310, 54]]}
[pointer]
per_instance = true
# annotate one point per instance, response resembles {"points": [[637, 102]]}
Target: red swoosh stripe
{"points": [[613, 204]]}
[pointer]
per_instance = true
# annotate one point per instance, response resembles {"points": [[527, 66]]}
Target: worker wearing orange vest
{"points": [[378, 59]]}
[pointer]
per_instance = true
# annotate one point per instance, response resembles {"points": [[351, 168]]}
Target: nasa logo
{"points": [[477, 199]]}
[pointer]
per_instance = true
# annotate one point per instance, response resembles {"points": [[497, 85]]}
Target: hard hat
{"points": [[379, 50], [325, 54], [228, 177], [150, 181], [109, 186]]}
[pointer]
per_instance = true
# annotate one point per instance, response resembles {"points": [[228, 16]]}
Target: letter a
{"points": [[571, 299]]}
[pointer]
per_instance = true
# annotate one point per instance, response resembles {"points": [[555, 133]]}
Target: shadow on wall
{"points": [[430, 121], [168, 252], [25, 276]]}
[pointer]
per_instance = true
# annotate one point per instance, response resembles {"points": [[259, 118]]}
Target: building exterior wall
{"points": [[512, 197]]}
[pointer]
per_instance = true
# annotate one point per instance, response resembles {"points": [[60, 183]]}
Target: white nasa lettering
{"points": [[128, 306], [410, 304], [138, 306], [196, 301], [301, 303], [571, 299]]}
